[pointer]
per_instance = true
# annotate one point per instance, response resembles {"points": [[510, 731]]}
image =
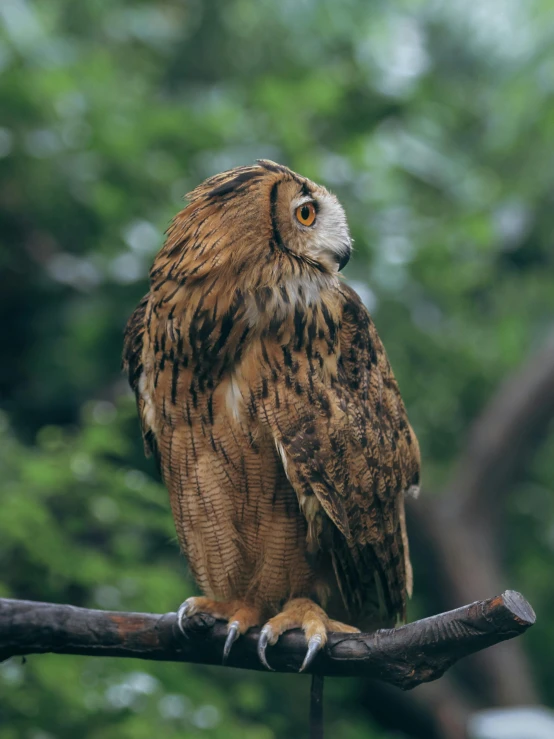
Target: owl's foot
{"points": [[240, 617], [301, 613]]}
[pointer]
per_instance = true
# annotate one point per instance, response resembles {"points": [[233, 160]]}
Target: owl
{"points": [[267, 399]]}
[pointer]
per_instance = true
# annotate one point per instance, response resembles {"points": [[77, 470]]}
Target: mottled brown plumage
{"points": [[268, 400]]}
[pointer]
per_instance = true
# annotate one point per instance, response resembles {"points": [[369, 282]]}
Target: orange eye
{"points": [[305, 214]]}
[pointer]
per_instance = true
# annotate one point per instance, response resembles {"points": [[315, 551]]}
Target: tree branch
{"points": [[503, 436], [405, 657], [460, 529]]}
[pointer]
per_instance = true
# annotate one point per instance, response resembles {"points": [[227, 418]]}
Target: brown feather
{"points": [[267, 396]]}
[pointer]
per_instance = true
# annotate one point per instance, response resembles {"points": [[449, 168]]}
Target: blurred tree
{"points": [[432, 121]]}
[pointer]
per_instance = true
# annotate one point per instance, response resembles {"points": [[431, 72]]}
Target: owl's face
{"points": [[311, 223], [256, 226]]}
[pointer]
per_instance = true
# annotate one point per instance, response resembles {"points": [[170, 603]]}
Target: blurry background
{"points": [[433, 121]]}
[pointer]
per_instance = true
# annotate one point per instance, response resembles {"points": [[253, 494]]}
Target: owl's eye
{"points": [[305, 214]]}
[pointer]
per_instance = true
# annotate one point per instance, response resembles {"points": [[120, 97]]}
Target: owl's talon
{"points": [[186, 609], [233, 634], [265, 636], [314, 645]]}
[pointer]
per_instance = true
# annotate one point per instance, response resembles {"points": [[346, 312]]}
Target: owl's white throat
{"points": [[298, 291]]}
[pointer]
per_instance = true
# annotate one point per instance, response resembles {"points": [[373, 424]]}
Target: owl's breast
{"points": [[233, 505]]}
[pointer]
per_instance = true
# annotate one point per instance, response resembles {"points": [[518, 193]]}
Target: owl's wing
{"points": [[348, 445], [132, 365]]}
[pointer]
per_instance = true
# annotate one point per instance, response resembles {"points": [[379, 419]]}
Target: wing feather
{"points": [[133, 365], [347, 441]]}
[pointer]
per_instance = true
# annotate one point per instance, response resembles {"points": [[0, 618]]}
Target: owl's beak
{"points": [[345, 258]]}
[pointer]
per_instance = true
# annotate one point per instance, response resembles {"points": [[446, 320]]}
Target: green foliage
{"points": [[433, 123]]}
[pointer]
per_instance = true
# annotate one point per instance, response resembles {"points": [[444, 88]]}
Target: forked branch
{"points": [[407, 656]]}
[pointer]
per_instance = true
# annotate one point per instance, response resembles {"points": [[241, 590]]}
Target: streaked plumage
{"points": [[267, 398]]}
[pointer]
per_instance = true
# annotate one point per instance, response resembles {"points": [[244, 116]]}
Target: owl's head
{"points": [[262, 224]]}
